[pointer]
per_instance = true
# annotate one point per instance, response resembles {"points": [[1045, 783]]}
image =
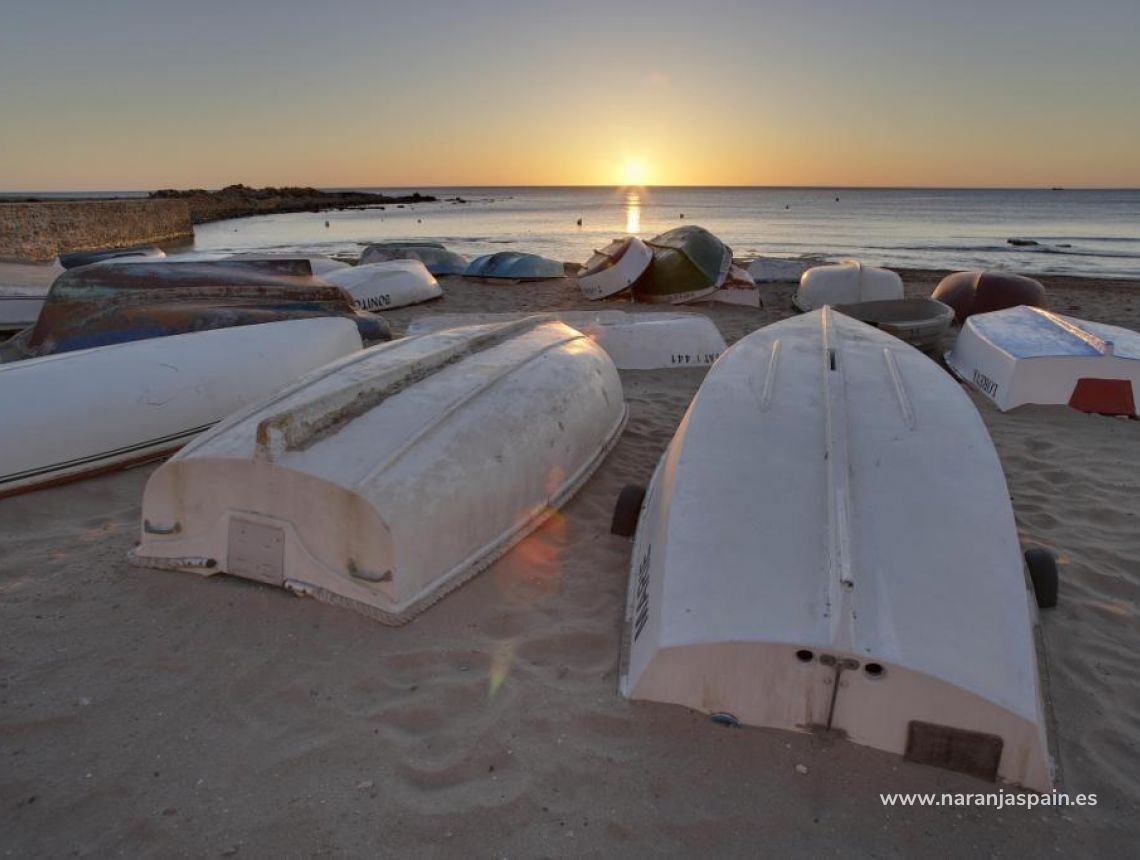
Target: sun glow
{"points": [[633, 173]]}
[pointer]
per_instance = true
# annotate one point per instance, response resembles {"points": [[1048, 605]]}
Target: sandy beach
{"points": [[160, 714]]}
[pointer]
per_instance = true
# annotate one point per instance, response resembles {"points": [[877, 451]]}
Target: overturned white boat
{"points": [[79, 413], [791, 568], [19, 308], [614, 268], [633, 341], [845, 284], [391, 284], [1030, 355], [391, 477]]}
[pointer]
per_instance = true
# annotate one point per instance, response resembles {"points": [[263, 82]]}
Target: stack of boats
{"points": [[687, 264], [137, 298], [142, 353], [874, 296]]}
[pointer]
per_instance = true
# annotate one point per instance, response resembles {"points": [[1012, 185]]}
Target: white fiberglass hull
{"points": [[80, 413], [791, 567], [391, 284], [846, 284], [392, 477], [614, 268], [633, 341], [1028, 355]]}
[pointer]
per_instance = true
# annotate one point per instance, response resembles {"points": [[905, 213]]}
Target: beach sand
{"points": [[154, 713]]}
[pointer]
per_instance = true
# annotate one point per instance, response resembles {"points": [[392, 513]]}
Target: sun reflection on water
{"points": [[632, 212]]}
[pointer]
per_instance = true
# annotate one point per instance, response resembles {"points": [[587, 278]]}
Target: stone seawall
{"points": [[37, 232]]}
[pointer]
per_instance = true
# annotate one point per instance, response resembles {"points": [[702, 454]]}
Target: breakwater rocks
{"points": [[37, 231], [239, 201]]}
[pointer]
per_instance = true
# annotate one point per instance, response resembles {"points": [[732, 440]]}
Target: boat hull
{"points": [[396, 475], [633, 341], [786, 573], [846, 284], [513, 266], [87, 258], [392, 284], [920, 322], [615, 268], [437, 259], [975, 292], [1025, 355], [110, 407], [689, 264], [138, 299]]}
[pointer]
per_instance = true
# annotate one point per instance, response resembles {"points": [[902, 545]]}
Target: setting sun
{"points": [[633, 173]]}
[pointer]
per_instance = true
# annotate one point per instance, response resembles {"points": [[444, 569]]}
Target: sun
{"points": [[633, 172]]}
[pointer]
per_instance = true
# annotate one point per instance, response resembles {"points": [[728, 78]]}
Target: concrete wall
{"points": [[36, 232]]}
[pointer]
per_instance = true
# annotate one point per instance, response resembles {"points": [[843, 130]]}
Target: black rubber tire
{"points": [[627, 510], [1042, 566]]}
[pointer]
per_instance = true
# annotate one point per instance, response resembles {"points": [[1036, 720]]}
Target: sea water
{"points": [[1082, 232]]}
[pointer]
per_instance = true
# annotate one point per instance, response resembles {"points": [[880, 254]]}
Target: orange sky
{"points": [[442, 93]]}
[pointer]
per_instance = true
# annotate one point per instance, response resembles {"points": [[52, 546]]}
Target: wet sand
{"points": [[154, 713]]}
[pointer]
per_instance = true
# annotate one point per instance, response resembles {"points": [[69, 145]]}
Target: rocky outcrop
{"points": [[38, 231], [239, 201]]}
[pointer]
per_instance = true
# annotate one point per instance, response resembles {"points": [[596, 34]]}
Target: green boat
{"points": [[689, 263]]}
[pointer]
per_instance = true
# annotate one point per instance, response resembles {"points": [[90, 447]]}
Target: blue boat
{"points": [[436, 258], [514, 266]]}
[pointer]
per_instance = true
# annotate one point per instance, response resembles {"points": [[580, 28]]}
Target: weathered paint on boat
{"points": [[101, 305], [392, 284], [688, 264], [390, 478], [633, 341], [920, 322], [793, 568], [437, 259], [614, 268], [1029, 355], [514, 266], [846, 283], [319, 266], [76, 414], [87, 258]]}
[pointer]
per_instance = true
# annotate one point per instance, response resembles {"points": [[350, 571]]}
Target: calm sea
{"points": [[1075, 231]]}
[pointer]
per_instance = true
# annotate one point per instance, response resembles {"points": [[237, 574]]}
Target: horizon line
{"points": [[32, 193]]}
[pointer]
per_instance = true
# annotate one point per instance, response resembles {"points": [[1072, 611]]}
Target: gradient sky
{"points": [[141, 94]]}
